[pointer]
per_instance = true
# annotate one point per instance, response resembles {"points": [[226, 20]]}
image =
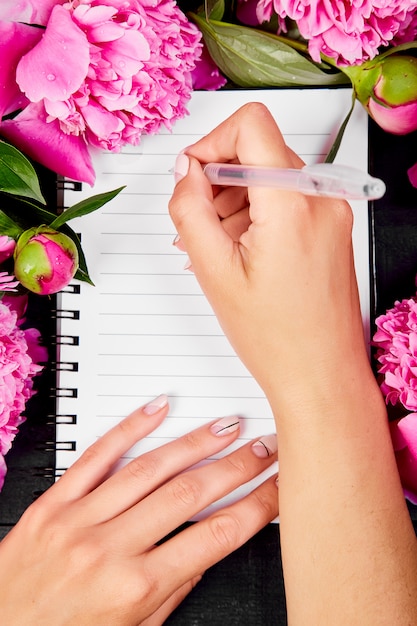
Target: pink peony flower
{"points": [[349, 32], [17, 369], [404, 439], [396, 342], [102, 73]]}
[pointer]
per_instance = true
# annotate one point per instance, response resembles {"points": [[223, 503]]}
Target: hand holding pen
{"points": [[263, 254], [277, 267]]}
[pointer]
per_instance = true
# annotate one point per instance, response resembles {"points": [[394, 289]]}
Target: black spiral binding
{"points": [[71, 365], [65, 366]]}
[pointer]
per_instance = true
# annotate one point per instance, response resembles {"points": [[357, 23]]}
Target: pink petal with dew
{"points": [[398, 120], [57, 66], [46, 143], [28, 11], [404, 439], [15, 41], [412, 175]]}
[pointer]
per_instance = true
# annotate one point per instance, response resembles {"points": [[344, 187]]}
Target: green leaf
{"points": [[17, 174], [336, 144], [83, 276], [82, 272], [84, 207], [26, 214], [252, 58], [214, 9], [9, 227], [395, 49]]}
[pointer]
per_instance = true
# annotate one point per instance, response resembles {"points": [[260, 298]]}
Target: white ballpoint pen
{"points": [[323, 179]]}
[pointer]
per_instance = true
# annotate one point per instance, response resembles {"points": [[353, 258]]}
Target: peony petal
{"points": [[17, 304], [58, 65], [412, 175], [28, 11], [404, 439], [37, 352], [94, 15], [206, 74], [3, 471], [246, 12], [127, 54], [101, 122], [398, 120], [7, 246], [15, 41], [407, 430], [46, 143]]}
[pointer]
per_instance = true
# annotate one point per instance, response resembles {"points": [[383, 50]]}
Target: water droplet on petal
{"points": [[51, 77]]}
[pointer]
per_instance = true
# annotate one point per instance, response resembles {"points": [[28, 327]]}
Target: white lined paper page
{"points": [[146, 328]]}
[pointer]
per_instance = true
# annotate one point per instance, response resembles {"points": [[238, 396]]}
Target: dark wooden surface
{"points": [[247, 587]]}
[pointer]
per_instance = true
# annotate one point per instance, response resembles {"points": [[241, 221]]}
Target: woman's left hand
{"points": [[85, 552]]}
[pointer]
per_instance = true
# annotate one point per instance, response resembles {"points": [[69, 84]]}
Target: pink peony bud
{"points": [[387, 87], [45, 260]]}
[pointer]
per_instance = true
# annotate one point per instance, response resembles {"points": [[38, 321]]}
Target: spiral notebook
{"points": [[145, 328]]}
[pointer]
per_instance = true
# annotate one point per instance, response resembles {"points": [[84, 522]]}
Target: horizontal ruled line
{"points": [[185, 356], [139, 293], [157, 314], [159, 335], [139, 254], [146, 274], [121, 395]]}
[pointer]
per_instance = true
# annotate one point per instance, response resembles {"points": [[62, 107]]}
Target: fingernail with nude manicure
{"points": [[225, 426], [265, 446], [182, 163], [188, 266], [155, 405], [176, 240]]}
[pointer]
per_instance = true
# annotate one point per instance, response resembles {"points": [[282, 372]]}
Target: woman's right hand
{"points": [[277, 266]]}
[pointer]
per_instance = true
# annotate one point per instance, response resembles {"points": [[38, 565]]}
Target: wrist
{"points": [[339, 386]]}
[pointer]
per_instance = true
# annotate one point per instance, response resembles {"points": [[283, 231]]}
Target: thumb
{"points": [[192, 210]]}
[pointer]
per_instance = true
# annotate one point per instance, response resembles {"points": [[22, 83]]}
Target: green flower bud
{"points": [[387, 87], [45, 260]]}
